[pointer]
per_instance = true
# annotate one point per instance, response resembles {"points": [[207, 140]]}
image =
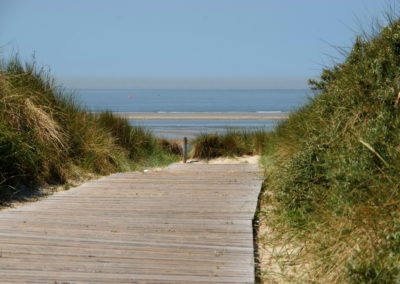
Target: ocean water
{"points": [[181, 100], [191, 100], [175, 129]]}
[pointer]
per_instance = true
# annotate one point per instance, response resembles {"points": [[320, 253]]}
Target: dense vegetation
{"points": [[47, 138], [333, 172], [330, 209]]}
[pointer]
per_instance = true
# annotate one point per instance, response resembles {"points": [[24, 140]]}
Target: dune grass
{"points": [[332, 197], [47, 138], [229, 144]]}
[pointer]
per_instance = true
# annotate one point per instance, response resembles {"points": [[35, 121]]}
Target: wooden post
{"points": [[184, 150]]}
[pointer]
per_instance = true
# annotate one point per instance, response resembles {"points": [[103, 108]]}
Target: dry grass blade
{"points": [[46, 129], [369, 147]]}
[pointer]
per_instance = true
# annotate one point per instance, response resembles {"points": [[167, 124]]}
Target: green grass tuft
{"points": [[229, 144]]}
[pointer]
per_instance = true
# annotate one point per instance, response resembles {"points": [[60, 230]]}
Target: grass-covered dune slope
{"points": [[330, 208], [47, 138], [332, 174]]}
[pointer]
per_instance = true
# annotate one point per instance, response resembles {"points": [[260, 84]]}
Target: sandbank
{"points": [[204, 115]]}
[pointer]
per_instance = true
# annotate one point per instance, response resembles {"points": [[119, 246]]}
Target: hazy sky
{"points": [[98, 43]]}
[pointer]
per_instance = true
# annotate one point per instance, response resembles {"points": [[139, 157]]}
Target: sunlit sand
{"points": [[204, 115]]}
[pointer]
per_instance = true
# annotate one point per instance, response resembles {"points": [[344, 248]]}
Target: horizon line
{"points": [[136, 82]]}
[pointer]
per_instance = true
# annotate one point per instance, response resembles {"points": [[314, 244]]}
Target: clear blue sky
{"points": [[281, 40]]}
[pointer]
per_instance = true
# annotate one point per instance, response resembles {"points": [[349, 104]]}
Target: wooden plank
{"points": [[190, 223]]}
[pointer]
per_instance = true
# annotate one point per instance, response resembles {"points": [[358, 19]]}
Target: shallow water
{"points": [[174, 129]]}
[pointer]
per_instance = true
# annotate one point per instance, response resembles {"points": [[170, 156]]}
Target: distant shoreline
{"points": [[204, 115]]}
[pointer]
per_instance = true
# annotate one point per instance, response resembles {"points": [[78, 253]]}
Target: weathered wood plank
{"points": [[189, 223]]}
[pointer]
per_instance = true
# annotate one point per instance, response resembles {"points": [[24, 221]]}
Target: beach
{"points": [[278, 115], [175, 125]]}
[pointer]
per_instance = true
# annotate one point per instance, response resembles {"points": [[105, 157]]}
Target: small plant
{"points": [[171, 146]]}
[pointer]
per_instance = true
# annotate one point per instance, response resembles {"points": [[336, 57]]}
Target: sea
{"points": [[195, 100]]}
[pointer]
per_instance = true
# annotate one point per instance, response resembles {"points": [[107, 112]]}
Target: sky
{"points": [[184, 43]]}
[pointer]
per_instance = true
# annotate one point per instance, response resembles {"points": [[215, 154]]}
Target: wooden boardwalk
{"points": [[189, 223]]}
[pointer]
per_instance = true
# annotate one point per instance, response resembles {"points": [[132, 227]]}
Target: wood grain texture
{"points": [[190, 223]]}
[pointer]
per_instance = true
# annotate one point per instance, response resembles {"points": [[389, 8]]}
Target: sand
{"points": [[204, 115], [227, 161]]}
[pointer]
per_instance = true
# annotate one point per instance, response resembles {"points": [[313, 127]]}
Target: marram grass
{"points": [[331, 203], [46, 137], [229, 144]]}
